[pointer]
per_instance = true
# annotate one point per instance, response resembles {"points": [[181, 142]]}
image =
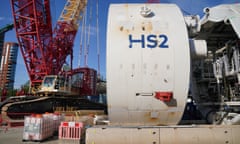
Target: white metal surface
{"points": [[147, 52], [228, 13], [198, 49]]}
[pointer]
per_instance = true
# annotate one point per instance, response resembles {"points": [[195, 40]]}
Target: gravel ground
{"points": [[14, 136]]}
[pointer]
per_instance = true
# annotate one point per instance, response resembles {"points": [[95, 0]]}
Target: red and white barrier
{"points": [[70, 130]]}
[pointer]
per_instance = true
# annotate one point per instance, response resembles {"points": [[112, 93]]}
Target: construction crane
{"points": [[32, 20], [44, 51]]}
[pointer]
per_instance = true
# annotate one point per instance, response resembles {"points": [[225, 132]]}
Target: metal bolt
{"points": [[145, 11]]}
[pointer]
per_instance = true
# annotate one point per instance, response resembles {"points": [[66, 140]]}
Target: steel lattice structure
{"points": [[45, 49]]}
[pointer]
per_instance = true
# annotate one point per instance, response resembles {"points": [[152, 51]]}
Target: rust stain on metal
{"points": [[150, 119], [147, 26], [126, 5], [172, 113], [121, 28]]}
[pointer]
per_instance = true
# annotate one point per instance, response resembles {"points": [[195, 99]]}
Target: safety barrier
{"points": [[37, 128], [40, 127], [70, 130]]}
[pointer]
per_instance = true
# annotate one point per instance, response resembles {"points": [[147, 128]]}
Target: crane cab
{"points": [[55, 85], [78, 82]]}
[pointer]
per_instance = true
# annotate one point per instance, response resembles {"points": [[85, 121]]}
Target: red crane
{"points": [[45, 49], [44, 52]]}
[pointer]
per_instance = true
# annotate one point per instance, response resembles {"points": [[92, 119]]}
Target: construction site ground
{"points": [[14, 136]]}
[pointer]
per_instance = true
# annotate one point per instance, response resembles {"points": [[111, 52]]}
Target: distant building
{"points": [[3, 30], [8, 65]]}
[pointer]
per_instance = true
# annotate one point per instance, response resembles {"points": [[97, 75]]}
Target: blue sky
{"points": [[187, 6]]}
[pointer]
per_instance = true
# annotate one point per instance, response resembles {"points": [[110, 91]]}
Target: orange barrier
{"points": [[70, 130]]}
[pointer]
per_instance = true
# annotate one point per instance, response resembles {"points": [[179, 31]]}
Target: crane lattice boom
{"points": [[45, 50], [65, 32]]}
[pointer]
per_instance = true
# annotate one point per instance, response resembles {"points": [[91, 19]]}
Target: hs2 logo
{"points": [[149, 41]]}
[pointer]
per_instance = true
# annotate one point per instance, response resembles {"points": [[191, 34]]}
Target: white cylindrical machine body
{"points": [[148, 64]]}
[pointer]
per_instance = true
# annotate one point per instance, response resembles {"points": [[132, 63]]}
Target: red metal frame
{"points": [[61, 45], [88, 85], [45, 51], [32, 21]]}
